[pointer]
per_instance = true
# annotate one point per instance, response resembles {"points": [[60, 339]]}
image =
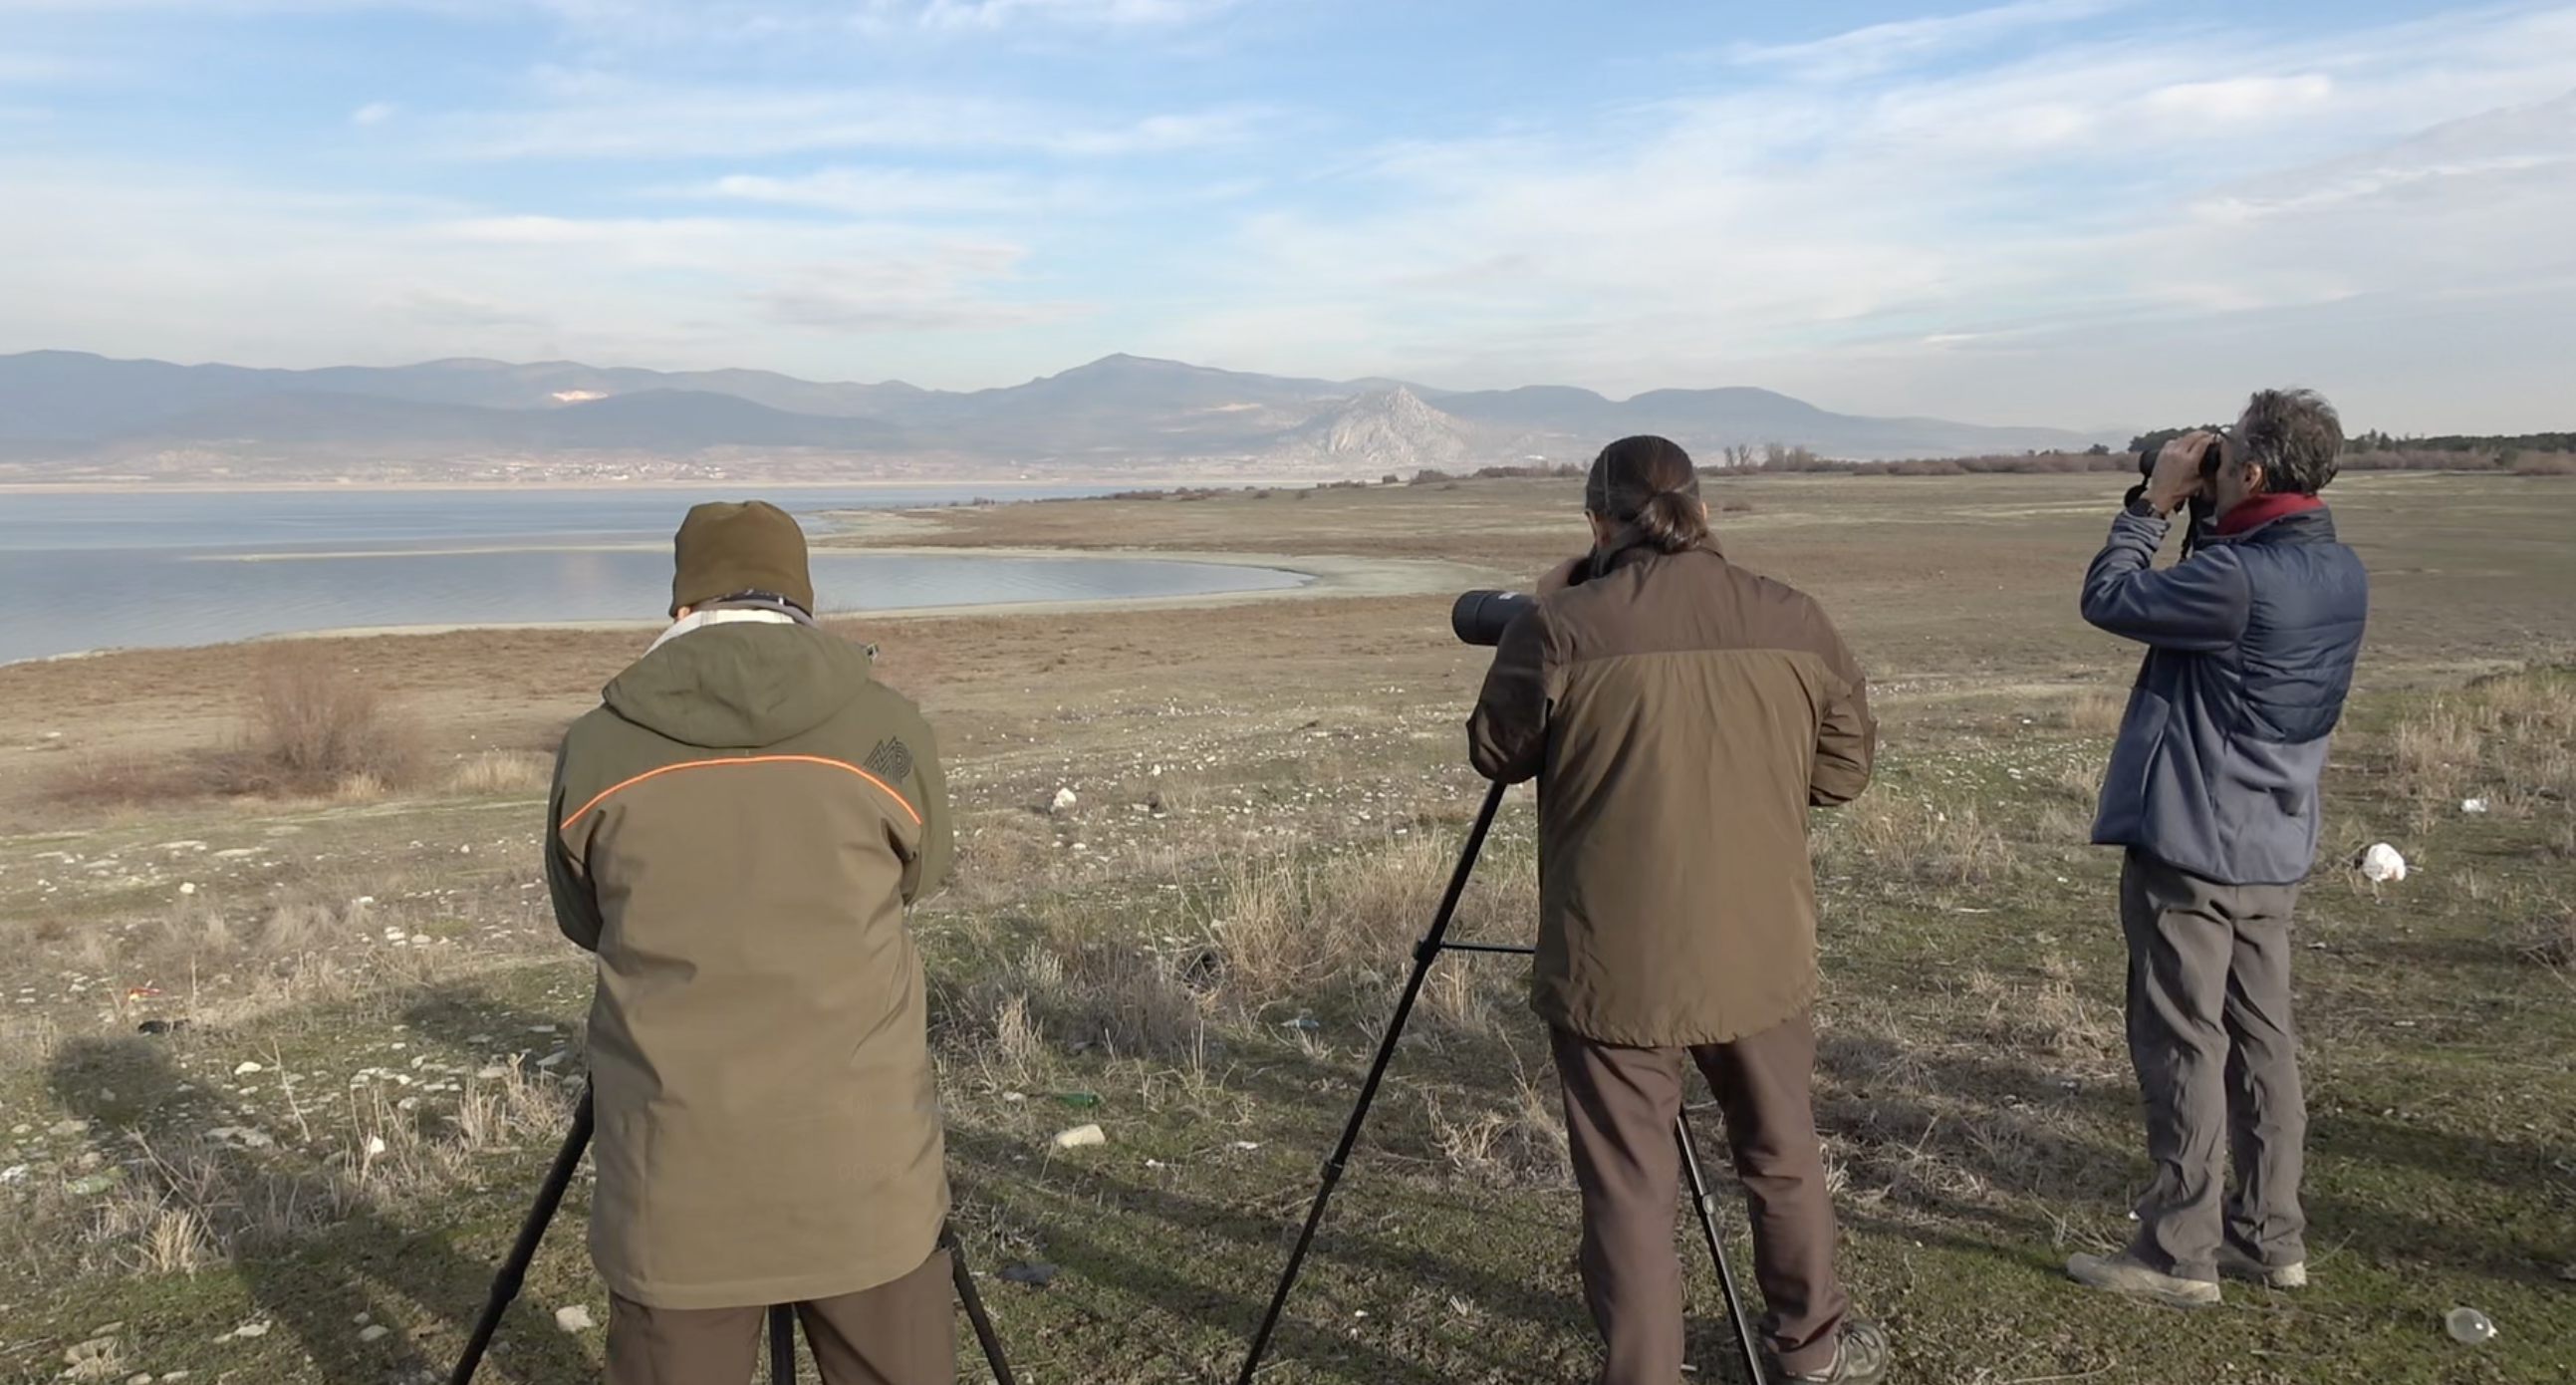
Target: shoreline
{"points": [[1122, 483], [1328, 577]]}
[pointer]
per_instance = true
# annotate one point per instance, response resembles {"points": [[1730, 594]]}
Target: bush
{"points": [[316, 726]]}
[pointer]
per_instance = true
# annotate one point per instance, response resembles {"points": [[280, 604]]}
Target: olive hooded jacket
{"points": [[1681, 714], [735, 832]]}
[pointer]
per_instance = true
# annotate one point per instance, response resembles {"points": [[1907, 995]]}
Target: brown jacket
{"points": [[736, 833], [1681, 715]]}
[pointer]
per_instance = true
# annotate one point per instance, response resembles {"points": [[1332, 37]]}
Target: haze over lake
{"points": [[103, 570]]}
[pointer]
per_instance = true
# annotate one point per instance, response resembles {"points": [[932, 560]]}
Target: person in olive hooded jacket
{"points": [[736, 831]]}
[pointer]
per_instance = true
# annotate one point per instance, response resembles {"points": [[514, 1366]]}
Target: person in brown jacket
{"points": [[736, 831], [1681, 714]]}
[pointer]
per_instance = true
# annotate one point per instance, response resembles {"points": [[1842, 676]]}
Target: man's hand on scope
{"points": [[2177, 476]]}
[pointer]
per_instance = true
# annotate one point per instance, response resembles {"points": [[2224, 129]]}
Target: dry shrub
{"points": [[504, 1112], [2434, 751], [2051, 1017], [315, 725], [2548, 938], [495, 772], [1018, 1047], [2510, 739], [1522, 1145], [1284, 929], [183, 1202], [1079, 989], [1270, 938], [298, 926], [2093, 712], [110, 779], [1895, 837]]}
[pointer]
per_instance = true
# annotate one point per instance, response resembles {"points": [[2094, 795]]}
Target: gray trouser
{"points": [[2217, 1057], [1619, 1110]]}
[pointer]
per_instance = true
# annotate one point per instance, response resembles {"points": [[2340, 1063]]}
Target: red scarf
{"points": [[2263, 509]]}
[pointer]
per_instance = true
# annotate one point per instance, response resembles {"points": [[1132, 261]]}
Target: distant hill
{"points": [[652, 420], [1120, 412]]}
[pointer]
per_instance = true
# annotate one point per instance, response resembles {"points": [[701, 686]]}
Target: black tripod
{"points": [[1425, 952], [782, 1317]]}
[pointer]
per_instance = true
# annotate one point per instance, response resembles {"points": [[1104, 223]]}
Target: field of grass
{"points": [[369, 1034]]}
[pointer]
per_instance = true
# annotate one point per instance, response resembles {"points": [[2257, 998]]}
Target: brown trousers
{"points": [[901, 1333], [1619, 1110], [2218, 1067]]}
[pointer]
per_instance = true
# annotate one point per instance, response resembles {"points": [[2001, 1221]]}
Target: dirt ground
{"points": [[1289, 770]]}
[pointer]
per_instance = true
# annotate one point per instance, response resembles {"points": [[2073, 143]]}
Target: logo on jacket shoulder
{"points": [[891, 760]]}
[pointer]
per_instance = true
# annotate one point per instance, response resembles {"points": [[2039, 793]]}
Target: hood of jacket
{"points": [[740, 687]]}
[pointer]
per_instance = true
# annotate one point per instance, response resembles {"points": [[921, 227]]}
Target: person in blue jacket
{"points": [[2212, 793]]}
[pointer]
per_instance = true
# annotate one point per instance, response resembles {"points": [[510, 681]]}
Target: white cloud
{"points": [[2243, 98], [993, 14], [373, 113], [876, 193], [593, 114], [1851, 237], [316, 280], [1878, 48], [940, 288]]}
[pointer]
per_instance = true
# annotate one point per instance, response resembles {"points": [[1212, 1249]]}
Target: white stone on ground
{"points": [[572, 1317]]}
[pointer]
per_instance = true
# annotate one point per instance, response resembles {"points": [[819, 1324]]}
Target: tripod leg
{"points": [[514, 1270], [782, 1344], [1706, 1202], [1423, 954], [973, 1302]]}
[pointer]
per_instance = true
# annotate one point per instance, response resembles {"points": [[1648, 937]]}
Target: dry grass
{"points": [[2050, 1017], [1257, 947], [93, 778], [2507, 741], [1966, 1077], [1894, 836], [2547, 937], [181, 1202], [1521, 1145], [316, 729], [498, 772], [2092, 712]]}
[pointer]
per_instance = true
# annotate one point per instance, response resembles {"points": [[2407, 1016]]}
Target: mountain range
{"points": [[73, 413]]}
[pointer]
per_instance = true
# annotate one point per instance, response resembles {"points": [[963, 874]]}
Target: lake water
{"points": [[112, 570]]}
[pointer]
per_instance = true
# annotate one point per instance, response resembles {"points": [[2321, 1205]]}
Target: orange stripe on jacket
{"points": [[744, 760]]}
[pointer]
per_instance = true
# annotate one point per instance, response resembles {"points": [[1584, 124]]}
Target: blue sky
{"points": [[2072, 212]]}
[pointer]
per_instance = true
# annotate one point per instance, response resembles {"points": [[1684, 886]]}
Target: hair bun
{"points": [[1648, 487]]}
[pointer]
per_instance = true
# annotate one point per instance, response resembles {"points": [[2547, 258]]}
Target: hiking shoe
{"points": [[2236, 1264], [1861, 1357], [2122, 1274]]}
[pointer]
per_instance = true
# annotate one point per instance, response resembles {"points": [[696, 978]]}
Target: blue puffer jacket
{"points": [[2252, 641]]}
